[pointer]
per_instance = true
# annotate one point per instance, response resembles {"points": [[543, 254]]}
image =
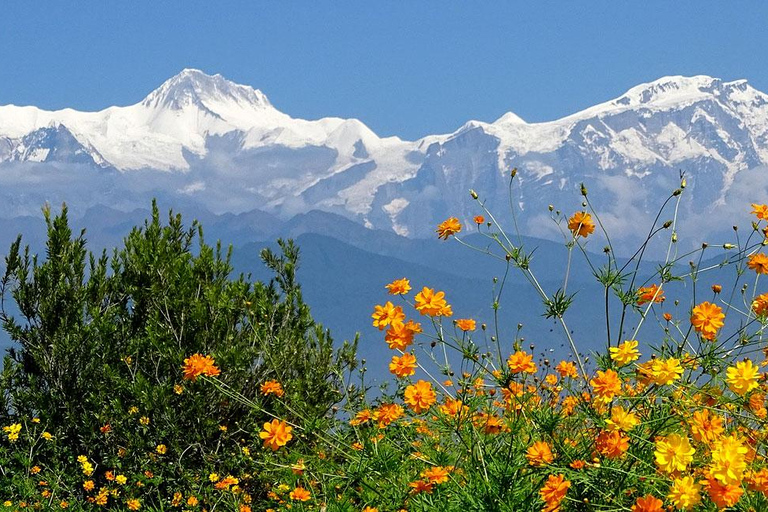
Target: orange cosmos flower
{"points": [[299, 494], [399, 287], [388, 314], [272, 387], [489, 423], [420, 486], [553, 492], [404, 365], [760, 305], [479, 219], [581, 224], [706, 319], [606, 385], [520, 362], [577, 464], [539, 454], [652, 293], [453, 407], [759, 263], [420, 396], [430, 303], [399, 337], [276, 433], [612, 444], [226, 482], [466, 324], [648, 504], [197, 365], [760, 211], [448, 227], [758, 481], [567, 369], [361, 417], [705, 426], [723, 495], [387, 413], [437, 474]]}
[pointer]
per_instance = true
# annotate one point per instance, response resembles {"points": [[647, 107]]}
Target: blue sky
{"points": [[403, 68]]}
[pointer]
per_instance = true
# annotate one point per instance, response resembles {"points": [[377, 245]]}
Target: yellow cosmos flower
{"points": [[743, 377], [621, 419], [625, 353], [685, 493], [673, 453]]}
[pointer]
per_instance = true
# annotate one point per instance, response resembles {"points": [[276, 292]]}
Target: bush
{"points": [[100, 346]]}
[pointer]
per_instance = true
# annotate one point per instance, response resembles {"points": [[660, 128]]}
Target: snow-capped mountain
{"points": [[204, 140]]}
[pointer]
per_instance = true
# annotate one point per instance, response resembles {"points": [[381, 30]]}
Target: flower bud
{"points": [[473, 194]]}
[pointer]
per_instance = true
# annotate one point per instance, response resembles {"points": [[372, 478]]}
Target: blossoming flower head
{"points": [[606, 384], [760, 211], [400, 336], [399, 287], [685, 493], [723, 495], [553, 492], [729, 460], [759, 263], [388, 314], [521, 362], [612, 444], [625, 353], [581, 224], [742, 378], [403, 366], [653, 293], [385, 414], [271, 387], [760, 305], [648, 503], [197, 365], [567, 369], [430, 303], [539, 454], [622, 419], [707, 319], [448, 227], [420, 396], [665, 371], [466, 324], [276, 433], [300, 494], [706, 427], [673, 453]]}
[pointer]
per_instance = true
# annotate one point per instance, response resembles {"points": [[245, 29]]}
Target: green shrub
{"points": [[100, 343]]}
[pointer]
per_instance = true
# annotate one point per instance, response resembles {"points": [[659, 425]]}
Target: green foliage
{"points": [[101, 341]]}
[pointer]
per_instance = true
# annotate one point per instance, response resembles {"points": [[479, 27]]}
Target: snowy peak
{"points": [[192, 87], [672, 90]]}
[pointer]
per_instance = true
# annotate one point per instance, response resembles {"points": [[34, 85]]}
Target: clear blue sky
{"points": [[402, 67]]}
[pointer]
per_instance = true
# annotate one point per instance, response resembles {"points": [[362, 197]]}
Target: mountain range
{"points": [[205, 141]]}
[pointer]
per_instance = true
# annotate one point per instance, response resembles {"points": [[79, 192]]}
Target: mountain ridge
{"points": [[203, 138]]}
